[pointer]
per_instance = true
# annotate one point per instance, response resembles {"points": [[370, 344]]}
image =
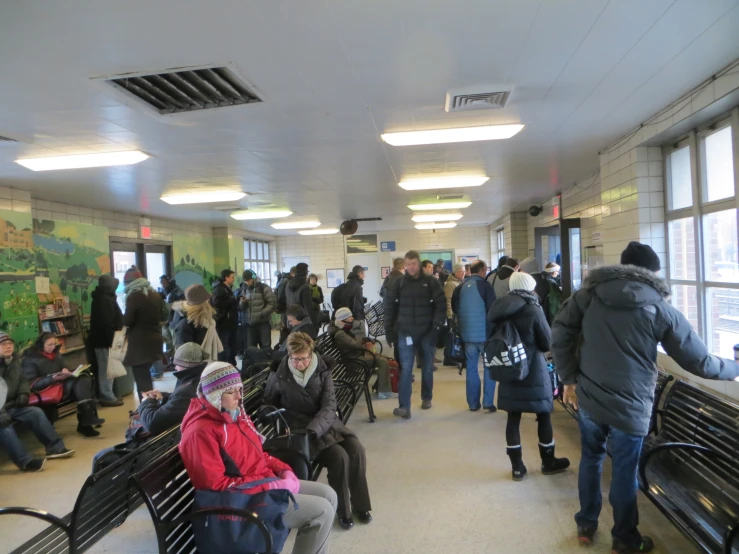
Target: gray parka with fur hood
{"points": [[605, 340]]}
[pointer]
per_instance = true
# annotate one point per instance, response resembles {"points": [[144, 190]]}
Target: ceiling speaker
{"points": [[534, 211], [348, 227]]}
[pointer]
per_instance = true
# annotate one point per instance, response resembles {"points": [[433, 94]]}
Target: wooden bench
{"points": [[691, 473]]}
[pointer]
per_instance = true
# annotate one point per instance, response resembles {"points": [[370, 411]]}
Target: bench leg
{"points": [[368, 397]]}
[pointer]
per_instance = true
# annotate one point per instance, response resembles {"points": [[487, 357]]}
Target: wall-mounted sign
{"points": [[597, 236], [555, 201], [361, 244], [434, 246], [387, 246], [384, 272], [144, 228]]}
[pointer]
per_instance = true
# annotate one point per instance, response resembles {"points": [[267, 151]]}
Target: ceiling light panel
{"points": [[309, 224], [425, 218], [203, 197], [460, 134], [440, 206], [449, 225], [243, 215], [327, 231], [104, 159], [444, 182]]}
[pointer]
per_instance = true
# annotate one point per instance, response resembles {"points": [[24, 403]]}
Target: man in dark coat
{"points": [[105, 319], [352, 295], [16, 408], [298, 291], [281, 297], [256, 304], [415, 310], [397, 272], [605, 349], [227, 315]]}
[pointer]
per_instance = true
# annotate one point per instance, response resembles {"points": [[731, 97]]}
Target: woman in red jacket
{"points": [[216, 424]]}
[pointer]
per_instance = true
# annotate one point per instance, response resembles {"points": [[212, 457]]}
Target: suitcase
{"points": [[394, 374]]}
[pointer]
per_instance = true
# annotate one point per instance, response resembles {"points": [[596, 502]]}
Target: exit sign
{"points": [[144, 228]]}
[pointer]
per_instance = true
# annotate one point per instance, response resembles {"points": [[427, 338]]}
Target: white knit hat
{"points": [[217, 378], [341, 315], [521, 281]]}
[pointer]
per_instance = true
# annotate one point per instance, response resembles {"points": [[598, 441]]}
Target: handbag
{"points": [[115, 368], [295, 450], [47, 396], [120, 345]]}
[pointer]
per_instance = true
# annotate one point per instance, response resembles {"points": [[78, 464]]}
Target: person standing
{"points": [[416, 307], [105, 319], [16, 408], [171, 293], [281, 308], [316, 292], [619, 316], [455, 279], [500, 280], [428, 268], [396, 273], [257, 304], [532, 394], [441, 273], [227, 315], [352, 295], [298, 291], [467, 270], [471, 303]]}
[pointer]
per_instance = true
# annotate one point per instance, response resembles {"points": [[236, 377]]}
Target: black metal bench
{"points": [[375, 318], [103, 503], [169, 495], [691, 473]]}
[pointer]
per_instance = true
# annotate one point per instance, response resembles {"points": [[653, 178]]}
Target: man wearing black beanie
{"points": [[604, 342]]}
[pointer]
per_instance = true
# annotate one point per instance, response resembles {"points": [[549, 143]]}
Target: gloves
{"points": [[5, 419], [288, 481], [21, 400]]}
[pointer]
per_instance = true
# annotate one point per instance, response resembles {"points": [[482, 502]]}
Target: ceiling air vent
{"points": [[479, 98], [367, 219], [450, 197], [187, 90]]}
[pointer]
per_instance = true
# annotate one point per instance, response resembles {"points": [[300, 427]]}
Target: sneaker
{"points": [[64, 453], [402, 412], [585, 534], [426, 405], [619, 547], [111, 403], [36, 464], [386, 395]]}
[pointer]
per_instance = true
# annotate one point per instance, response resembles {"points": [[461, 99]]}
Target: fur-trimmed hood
{"points": [[626, 286]]}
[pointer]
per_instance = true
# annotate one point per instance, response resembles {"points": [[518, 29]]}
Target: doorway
{"points": [[152, 259], [434, 255], [561, 244]]}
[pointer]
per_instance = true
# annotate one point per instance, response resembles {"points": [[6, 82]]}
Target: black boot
{"points": [[87, 430], [549, 464], [87, 414], [518, 469]]}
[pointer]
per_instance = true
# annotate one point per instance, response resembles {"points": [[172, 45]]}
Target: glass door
{"points": [[158, 262], [571, 256], [152, 259], [124, 255]]}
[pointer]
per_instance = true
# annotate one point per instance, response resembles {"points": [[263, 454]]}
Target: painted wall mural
{"points": [[17, 273], [193, 260], [73, 256]]}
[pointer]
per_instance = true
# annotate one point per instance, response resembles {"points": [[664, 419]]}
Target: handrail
{"points": [[44, 516]]}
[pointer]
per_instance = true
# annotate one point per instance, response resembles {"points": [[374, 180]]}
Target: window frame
{"points": [[259, 256], [500, 247]]}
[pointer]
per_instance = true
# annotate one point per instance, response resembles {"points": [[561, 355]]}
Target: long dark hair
{"points": [[42, 338]]}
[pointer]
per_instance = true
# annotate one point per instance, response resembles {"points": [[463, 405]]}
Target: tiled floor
{"points": [[440, 483]]}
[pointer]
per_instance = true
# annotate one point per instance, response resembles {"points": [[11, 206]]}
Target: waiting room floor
{"points": [[440, 483]]}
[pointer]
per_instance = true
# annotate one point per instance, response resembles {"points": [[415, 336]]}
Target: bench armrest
{"points": [[203, 512], [42, 515]]}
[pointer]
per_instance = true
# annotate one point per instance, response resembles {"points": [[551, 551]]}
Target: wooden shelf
{"points": [[67, 334], [73, 349], [56, 317]]}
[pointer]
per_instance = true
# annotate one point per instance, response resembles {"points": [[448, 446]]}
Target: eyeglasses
{"points": [[300, 360]]}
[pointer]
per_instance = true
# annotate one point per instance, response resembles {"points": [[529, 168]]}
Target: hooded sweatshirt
{"points": [[105, 313]]}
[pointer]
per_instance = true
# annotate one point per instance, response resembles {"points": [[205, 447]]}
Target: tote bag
{"points": [[120, 345], [115, 368]]}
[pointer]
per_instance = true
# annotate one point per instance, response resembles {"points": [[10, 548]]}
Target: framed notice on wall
{"points": [[384, 272], [334, 277]]}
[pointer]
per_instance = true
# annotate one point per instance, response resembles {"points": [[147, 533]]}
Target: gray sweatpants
{"points": [[313, 519]]}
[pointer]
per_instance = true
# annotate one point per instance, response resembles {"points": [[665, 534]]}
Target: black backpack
{"points": [[505, 355], [336, 296]]}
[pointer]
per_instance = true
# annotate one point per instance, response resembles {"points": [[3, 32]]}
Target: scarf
{"points": [[302, 377], [139, 285], [47, 355], [529, 297]]}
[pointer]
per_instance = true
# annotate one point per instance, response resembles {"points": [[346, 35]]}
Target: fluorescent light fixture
{"points": [[327, 231], [203, 196], [444, 182], [424, 218], [297, 225], [449, 225], [84, 160], [440, 206], [459, 134], [263, 214]]}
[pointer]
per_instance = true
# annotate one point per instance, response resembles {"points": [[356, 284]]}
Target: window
{"points": [[500, 238], [702, 233], [256, 258]]}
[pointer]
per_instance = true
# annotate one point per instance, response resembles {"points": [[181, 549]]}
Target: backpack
{"points": [[504, 355], [281, 306], [336, 296], [383, 288]]}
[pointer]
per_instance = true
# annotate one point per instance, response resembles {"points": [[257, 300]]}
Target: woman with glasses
{"points": [[303, 386]]}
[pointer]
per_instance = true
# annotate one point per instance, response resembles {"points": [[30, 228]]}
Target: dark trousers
{"points": [[347, 474], [80, 390], [142, 376], [229, 340], [513, 436], [258, 334]]}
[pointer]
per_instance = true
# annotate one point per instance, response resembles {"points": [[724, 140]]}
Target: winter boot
{"points": [[518, 469], [549, 464], [87, 414]]}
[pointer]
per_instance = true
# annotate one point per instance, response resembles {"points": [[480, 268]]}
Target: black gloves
{"points": [[21, 400]]}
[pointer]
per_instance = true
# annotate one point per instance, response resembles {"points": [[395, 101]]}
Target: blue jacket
{"points": [[471, 302]]}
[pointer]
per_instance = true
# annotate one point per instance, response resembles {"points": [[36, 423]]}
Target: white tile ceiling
{"points": [[334, 74]]}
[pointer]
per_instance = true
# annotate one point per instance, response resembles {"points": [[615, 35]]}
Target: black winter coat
{"points": [[415, 306], [14, 379], [312, 407], [105, 318], [185, 331], [352, 296], [534, 393], [298, 291], [227, 307], [144, 316]]}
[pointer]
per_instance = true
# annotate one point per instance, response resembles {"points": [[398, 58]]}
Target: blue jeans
{"points": [[473, 351], [229, 340], [625, 450], [426, 347], [33, 418], [104, 384]]}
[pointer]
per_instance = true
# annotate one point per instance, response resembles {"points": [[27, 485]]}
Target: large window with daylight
{"points": [[256, 258], [500, 238], [702, 232]]}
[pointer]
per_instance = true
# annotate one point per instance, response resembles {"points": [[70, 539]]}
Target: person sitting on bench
{"points": [[303, 386], [349, 336], [14, 407], [216, 432], [160, 411]]}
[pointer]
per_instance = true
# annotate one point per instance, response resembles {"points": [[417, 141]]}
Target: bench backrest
{"points": [[694, 416]]}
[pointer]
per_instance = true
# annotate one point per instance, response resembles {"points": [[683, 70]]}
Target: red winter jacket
{"points": [[205, 431]]}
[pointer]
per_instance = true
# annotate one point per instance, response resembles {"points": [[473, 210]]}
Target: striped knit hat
{"points": [[5, 337], [216, 379]]}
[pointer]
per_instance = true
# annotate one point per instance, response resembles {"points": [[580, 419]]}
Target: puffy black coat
{"points": [[534, 393], [105, 315], [298, 291], [312, 407], [352, 296], [226, 305], [144, 316], [414, 306], [185, 331], [14, 379]]}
